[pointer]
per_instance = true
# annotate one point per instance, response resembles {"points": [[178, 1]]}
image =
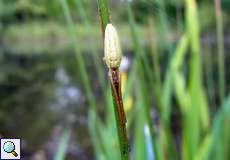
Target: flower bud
{"points": [[112, 48]]}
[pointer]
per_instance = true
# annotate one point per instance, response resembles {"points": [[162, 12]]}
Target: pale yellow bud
{"points": [[112, 48]]}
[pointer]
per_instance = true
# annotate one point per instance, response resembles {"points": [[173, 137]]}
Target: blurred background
{"points": [[55, 93]]}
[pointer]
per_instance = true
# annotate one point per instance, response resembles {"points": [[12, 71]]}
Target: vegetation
{"points": [[175, 91]]}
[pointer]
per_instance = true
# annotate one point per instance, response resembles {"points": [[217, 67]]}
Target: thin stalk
{"points": [[197, 115], [167, 83], [147, 109], [104, 14], [114, 78], [79, 57], [82, 67], [63, 145], [93, 51], [220, 46], [156, 61], [179, 17], [165, 27], [97, 138], [140, 65], [155, 52], [191, 119], [208, 69], [139, 51], [141, 139], [166, 89], [141, 57], [220, 124]]}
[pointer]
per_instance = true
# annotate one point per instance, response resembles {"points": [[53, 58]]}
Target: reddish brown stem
{"points": [[115, 79], [116, 86]]}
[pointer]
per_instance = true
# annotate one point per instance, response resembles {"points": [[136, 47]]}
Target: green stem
{"points": [[120, 121], [63, 144], [121, 128], [104, 13], [95, 54], [141, 65], [165, 27], [79, 57], [220, 46], [139, 52], [81, 65], [154, 52], [194, 117], [208, 69]]}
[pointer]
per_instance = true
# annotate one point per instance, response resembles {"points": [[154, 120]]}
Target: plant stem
{"points": [[197, 115], [208, 69], [119, 113], [165, 27], [220, 46], [140, 65], [104, 13], [95, 54], [63, 145], [79, 57], [82, 67], [116, 89]]}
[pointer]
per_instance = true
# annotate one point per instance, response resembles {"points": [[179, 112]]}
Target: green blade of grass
{"points": [[63, 144], [198, 111], [140, 150], [208, 69], [82, 69], [79, 57], [96, 56], [140, 65], [98, 133], [191, 120], [220, 46], [155, 54], [139, 51], [213, 144], [179, 81], [165, 27], [218, 147]]}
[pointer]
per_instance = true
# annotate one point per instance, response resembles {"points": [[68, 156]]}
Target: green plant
{"points": [[220, 45], [113, 58], [63, 144], [179, 84]]}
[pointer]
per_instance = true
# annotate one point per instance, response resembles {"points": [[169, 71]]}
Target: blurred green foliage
{"points": [[172, 80], [20, 10]]}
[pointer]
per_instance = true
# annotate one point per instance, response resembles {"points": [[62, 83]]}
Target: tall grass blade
{"points": [[140, 55], [140, 148], [220, 46], [155, 53], [96, 56], [79, 57], [208, 69], [140, 65], [219, 147], [165, 27], [198, 111], [63, 145]]}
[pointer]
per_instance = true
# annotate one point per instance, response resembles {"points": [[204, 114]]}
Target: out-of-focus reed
{"points": [[159, 90]]}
